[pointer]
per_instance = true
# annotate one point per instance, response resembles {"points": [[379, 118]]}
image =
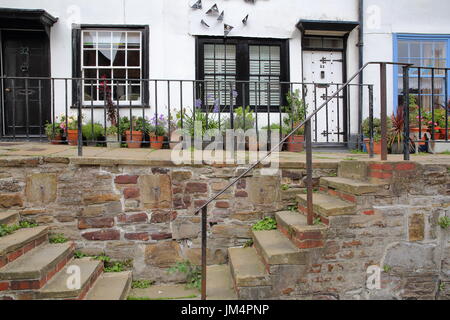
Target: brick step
{"points": [[20, 242], [353, 187], [35, 268], [295, 227], [276, 249], [57, 287], [326, 206], [111, 286], [219, 284], [9, 218]]}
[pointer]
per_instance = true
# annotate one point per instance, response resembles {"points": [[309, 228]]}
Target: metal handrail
{"points": [[306, 122]]}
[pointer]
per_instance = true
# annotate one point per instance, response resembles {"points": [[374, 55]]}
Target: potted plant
{"points": [[134, 131], [440, 118], [71, 130], [54, 132], [112, 140], [416, 120], [376, 135], [296, 113], [92, 132], [396, 133], [157, 131]]}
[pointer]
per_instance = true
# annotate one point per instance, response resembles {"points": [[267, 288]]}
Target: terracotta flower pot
{"points": [[443, 135], [417, 130], [376, 146], [134, 139], [295, 143], [72, 137], [156, 142], [437, 133], [56, 139]]}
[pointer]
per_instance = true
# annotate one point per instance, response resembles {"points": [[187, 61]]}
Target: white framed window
{"points": [[112, 65]]}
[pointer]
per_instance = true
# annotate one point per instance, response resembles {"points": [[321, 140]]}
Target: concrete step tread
{"points": [[9, 217], [328, 206], [36, 263], [111, 286], [297, 221], [20, 238], [219, 285], [247, 268], [352, 186], [57, 287], [276, 249]]}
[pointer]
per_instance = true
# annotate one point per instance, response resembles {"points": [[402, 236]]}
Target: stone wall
{"points": [[144, 210]]}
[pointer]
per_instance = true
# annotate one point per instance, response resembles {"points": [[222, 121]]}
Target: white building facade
{"points": [[292, 42]]}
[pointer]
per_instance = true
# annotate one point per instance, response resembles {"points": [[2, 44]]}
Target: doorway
{"points": [[26, 102]]}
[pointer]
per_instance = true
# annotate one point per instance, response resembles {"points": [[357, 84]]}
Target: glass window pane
{"points": [[209, 51], [104, 40], [312, 42], [119, 59], [275, 53], [403, 49], [265, 52], [105, 74], [89, 58], [134, 58], [120, 73], [134, 73], [104, 57], [333, 43], [414, 49], [134, 40], [89, 39], [118, 40]]}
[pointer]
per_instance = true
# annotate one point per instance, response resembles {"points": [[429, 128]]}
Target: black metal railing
{"points": [[309, 166], [97, 109]]}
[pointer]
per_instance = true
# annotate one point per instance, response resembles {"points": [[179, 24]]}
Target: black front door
{"points": [[27, 104]]}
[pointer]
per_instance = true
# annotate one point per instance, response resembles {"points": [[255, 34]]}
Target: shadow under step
{"points": [[61, 287], [111, 286]]}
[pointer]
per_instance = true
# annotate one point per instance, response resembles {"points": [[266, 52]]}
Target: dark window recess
{"points": [[112, 56], [326, 43], [253, 68]]}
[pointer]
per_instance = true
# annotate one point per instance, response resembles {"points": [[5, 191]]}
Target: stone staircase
{"points": [[32, 268], [279, 258]]}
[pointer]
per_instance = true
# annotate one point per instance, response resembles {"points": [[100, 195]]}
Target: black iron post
{"points": [[309, 173], [406, 155]]}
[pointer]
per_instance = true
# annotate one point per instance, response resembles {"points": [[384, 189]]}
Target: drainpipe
{"points": [[361, 77]]}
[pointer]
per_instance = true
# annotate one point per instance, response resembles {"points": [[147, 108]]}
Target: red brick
{"points": [[380, 175], [199, 203], [3, 261], [355, 243], [29, 246], [241, 194], [139, 236], [405, 166], [25, 285], [94, 223], [196, 187], [14, 255], [141, 217], [161, 236], [177, 190], [102, 235], [222, 204], [348, 197], [125, 179], [369, 212], [4, 286], [131, 193], [379, 166], [310, 235]]}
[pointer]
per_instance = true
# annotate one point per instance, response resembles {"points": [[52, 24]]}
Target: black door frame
{"points": [[3, 125]]}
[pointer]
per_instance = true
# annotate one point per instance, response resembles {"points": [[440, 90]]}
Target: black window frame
{"points": [[243, 67], [77, 68]]}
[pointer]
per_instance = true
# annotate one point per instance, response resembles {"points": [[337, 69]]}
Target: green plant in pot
{"points": [[54, 132], [376, 133], [92, 132], [112, 139], [396, 133], [243, 119], [443, 122], [157, 131], [296, 114], [70, 125], [134, 130]]}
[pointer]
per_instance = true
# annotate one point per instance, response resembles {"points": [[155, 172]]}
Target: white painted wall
{"points": [[173, 27]]}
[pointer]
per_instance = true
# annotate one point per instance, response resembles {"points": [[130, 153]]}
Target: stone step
{"points": [[111, 286], [327, 206], [351, 186], [276, 249], [247, 268], [57, 287], [20, 242], [9, 218], [37, 266], [219, 285], [295, 226]]}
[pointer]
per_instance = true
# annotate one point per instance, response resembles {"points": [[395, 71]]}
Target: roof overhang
{"points": [[325, 27], [26, 19]]}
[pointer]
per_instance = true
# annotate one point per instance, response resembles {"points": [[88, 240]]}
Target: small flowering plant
{"points": [[158, 126], [69, 123], [53, 130]]}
